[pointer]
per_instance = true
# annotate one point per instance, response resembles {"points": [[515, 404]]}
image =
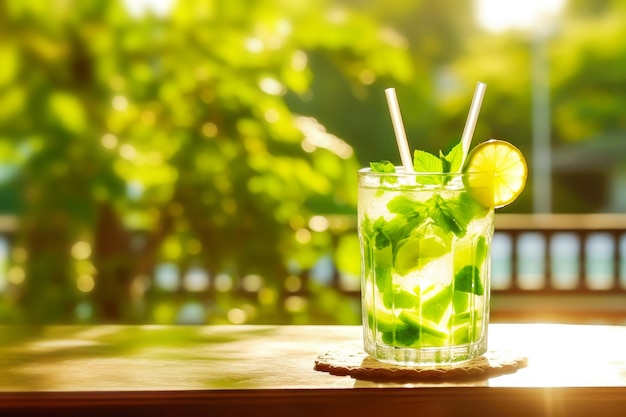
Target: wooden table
{"points": [[574, 370]]}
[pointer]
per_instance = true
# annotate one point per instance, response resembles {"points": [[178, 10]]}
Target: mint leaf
{"points": [[450, 215], [398, 228], [404, 206], [473, 208], [409, 215], [385, 167], [454, 158], [383, 277], [426, 162], [370, 231], [381, 240], [401, 335], [382, 233], [445, 164], [468, 280]]}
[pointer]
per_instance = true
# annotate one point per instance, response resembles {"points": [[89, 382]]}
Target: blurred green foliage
{"points": [[224, 135], [150, 139]]}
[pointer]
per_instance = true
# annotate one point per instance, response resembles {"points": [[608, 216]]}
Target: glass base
{"points": [[426, 356]]}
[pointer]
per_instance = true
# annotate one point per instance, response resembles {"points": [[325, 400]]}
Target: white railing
{"points": [[548, 267]]}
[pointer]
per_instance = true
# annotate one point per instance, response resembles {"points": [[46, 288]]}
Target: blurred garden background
{"points": [[194, 161]]}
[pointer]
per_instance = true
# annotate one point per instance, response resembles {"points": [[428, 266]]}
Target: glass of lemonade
{"points": [[425, 243]]}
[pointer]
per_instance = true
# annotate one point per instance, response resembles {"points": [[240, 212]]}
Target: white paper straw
{"points": [[398, 127], [472, 118]]}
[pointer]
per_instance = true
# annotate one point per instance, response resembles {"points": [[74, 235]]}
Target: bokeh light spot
{"points": [[196, 280], [319, 223], [237, 316], [303, 236], [223, 283], [108, 140], [252, 282], [120, 103], [271, 86], [254, 45], [85, 283], [166, 277], [209, 130], [81, 250], [128, 152], [299, 61], [16, 275], [272, 115], [295, 304], [367, 77]]}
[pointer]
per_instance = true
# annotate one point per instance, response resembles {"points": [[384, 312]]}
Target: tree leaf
{"points": [[68, 111]]}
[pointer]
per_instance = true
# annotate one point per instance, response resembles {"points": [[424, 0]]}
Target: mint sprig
{"points": [[426, 162], [444, 163], [384, 167]]}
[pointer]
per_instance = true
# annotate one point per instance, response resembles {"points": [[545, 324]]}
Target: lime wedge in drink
{"points": [[425, 326], [383, 256], [399, 298], [465, 326], [385, 321], [435, 302], [394, 331], [417, 251]]}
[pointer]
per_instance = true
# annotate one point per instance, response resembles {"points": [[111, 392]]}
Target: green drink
{"points": [[425, 231], [425, 243]]}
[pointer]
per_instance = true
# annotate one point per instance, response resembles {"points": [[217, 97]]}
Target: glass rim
{"points": [[400, 172]]}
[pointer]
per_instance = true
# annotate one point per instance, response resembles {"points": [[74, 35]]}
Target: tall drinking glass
{"points": [[425, 266]]}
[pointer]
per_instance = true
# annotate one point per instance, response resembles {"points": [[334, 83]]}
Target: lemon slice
{"points": [[508, 168]]}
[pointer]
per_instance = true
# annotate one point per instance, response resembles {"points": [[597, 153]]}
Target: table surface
{"points": [[268, 370]]}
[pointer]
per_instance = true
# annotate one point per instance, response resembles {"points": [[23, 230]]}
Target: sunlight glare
{"points": [[316, 136], [139, 8], [501, 15]]}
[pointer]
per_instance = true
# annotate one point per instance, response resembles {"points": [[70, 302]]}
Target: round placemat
{"points": [[358, 364]]}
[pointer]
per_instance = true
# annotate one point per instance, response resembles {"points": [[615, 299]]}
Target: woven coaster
{"points": [[359, 365]]}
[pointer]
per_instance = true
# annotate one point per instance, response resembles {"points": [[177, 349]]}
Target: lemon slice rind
{"points": [[507, 167]]}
